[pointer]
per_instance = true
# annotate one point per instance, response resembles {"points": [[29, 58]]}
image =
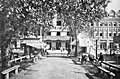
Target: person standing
{"points": [[101, 57]]}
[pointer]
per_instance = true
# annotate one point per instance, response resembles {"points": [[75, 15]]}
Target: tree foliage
{"points": [[20, 17], [20, 13]]}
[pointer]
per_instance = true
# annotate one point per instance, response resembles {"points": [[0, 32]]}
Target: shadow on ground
{"points": [[92, 71]]}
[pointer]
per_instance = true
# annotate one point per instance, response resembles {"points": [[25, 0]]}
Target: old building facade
{"points": [[58, 36], [105, 30]]}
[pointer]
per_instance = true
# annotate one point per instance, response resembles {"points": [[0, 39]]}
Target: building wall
{"points": [[104, 31], [57, 36], [63, 33]]}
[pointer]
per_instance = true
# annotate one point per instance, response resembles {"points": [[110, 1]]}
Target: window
{"points": [[110, 24], [92, 24], [103, 45], [49, 33], [115, 24], [118, 34], [119, 23], [106, 24], [58, 23], [111, 45], [49, 43], [110, 34], [101, 34], [58, 33], [115, 34], [68, 33], [101, 24]]}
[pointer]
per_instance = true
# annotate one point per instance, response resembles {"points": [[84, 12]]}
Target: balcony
{"points": [[54, 38]]}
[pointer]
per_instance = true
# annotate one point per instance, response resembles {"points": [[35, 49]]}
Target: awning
{"points": [[35, 43], [38, 45]]}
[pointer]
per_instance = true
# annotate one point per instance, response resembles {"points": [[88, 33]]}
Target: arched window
{"points": [[110, 24], [115, 23]]}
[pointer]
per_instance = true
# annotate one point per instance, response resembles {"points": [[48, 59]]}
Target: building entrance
{"points": [[58, 45]]}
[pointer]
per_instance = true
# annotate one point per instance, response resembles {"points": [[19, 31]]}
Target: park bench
{"points": [[106, 73], [7, 71], [110, 66]]}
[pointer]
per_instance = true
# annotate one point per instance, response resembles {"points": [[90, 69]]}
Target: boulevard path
{"points": [[53, 68]]}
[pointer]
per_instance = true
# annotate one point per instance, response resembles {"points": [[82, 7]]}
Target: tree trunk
{"points": [[4, 59], [75, 54]]}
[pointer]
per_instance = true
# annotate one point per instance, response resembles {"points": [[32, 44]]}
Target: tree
{"points": [[19, 17], [79, 13]]}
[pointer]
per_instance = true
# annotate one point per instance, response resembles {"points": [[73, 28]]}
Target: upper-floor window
{"points": [[101, 24], [119, 23], [58, 33], [49, 33], [92, 24], [68, 33], [106, 24], [110, 34], [115, 34], [101, 34], [59, 23], [115, 23], [110, 24], [103, 45]]}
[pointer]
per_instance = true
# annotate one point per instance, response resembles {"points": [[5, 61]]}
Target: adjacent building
{"points": [[105, 30]]}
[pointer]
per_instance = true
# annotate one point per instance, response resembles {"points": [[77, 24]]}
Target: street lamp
{"points": [[96, 48]]}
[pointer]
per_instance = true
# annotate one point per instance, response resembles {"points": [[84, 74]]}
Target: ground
{"points": [[53, 68]]}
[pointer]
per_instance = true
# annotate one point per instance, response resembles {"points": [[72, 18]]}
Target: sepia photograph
{"points": [[59, 39]]}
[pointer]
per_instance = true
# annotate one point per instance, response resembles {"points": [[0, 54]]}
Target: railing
{"points": [[6, 73], [17, 59]]}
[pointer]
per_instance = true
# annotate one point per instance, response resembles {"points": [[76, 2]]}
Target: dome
{"points": [[112, 13], [118, 13]]}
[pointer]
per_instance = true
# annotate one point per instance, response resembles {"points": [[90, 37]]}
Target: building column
{"points": [[53, 45]]}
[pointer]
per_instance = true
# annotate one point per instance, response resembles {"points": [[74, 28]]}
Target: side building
{"points": [[104, 31]]}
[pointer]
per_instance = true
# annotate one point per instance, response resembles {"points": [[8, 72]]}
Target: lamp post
{"points": [[96, 48]]}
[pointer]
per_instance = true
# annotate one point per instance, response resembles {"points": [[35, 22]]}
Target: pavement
{"points": [[53, 68]]}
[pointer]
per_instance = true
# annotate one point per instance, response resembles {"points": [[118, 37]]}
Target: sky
{"points": [[114, 5]]}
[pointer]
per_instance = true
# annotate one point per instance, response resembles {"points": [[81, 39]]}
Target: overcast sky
{"points": [[114, 5]]}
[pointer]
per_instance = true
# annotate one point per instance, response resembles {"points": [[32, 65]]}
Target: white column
{"points": [[53, 45], [63, 44]]}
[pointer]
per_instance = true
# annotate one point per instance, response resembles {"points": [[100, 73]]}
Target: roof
{"points": [[110, 19], [57, 38]]}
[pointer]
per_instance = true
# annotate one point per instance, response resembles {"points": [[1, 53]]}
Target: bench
{"points": [[106, 73], [111, 65], [7, 71]]}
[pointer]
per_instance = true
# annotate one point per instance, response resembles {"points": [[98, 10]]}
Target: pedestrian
{"points": [[83, 59], [91, 58], [101, 58], [61, 49], [69, 50]]}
